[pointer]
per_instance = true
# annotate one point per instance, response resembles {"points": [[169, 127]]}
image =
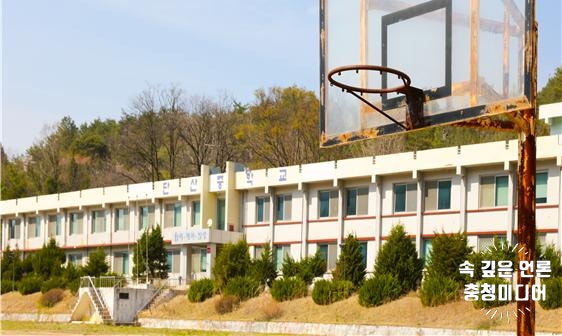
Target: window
{"points": [[437, 195], [121, 221], [488, 241], [284, 207], [328, 203], [405, 197], [146, 216], [357, 201], [173, 261], [258, 250], [493, 191], [329, 252], [198, 259], [98, 221], [542, 179], [121, 263], [54, 225], [75, 259], [123, 296], [221, 214], [262, 209], [14, 228], [280, 252], [427, 248], [195, 213], [363, 251], [33, 227], [75, 225], [172, 215]]}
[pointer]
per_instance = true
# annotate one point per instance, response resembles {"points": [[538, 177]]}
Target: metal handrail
{"points": [[91, 285]]}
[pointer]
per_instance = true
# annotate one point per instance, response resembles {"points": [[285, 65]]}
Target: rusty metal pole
{"points": [[526, 178]]}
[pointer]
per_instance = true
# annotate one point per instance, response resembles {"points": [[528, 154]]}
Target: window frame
{"points": [[79, 228], [287, 200], [195, 212], [356, 205], [126, 219], [394, 203], [545, 201], [495, 188], [330, 264], [14, 233], [37, 227], [93, 221], [148, 224], [438, 194], [265, 209], [331, 199]]}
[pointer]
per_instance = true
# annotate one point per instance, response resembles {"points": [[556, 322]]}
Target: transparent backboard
{"points": [[469, 57]]}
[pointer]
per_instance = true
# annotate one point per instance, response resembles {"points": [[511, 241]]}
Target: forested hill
{"points": [[165, 134]]}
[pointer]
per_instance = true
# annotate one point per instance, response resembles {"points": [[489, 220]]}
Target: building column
{"points": [[158, 213], [211, 255], [110, 225], [23, 232], [183, 264], [419, 212], [184, 213], [304, 221], [510, 214], [44, 227], [341, 208], [377, 185], [271, 192], [461, 172], [560, 209], [64, 226]]}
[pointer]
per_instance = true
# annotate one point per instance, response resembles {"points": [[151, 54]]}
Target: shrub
{"points": [[226, 304], [288, 289], [398, 257], [350, 265], [322, 291], [326, 292], [243, 287], [495, 282], [8, 286], [29, 284], [270, 310], [233, 260], [550, 253], [51, 297], [380, 289], [97, 264], [73, 286], [553, 297], [306, 269], [47, 262], [448, 252], [499, 252], [263, 268], [55, 282], [438, 290], [200, 290]]}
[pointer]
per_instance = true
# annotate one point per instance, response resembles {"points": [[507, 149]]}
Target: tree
{"points": [[263, 268], [156, 253], [552, 91], [14, 181], [350, 262], [97, 264], [447, 253], [398, 257], [232, 261], [48, 261]]}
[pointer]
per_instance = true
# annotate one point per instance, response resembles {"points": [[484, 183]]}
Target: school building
{"points": [[301, 209]]}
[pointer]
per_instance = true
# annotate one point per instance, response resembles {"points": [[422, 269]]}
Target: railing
{"points": [[160, 283], [102, 281]]}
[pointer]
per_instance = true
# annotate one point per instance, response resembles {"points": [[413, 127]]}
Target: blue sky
{"points": [[89, 58]]}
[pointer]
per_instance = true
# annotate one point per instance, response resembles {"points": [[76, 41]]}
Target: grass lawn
{"points": [[70, 329]]}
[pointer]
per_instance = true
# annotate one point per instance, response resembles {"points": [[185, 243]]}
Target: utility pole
{"points": [[526, 179]]}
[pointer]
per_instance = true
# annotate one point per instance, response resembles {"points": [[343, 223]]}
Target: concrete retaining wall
{"points": [[313, 328], [35, 317]]}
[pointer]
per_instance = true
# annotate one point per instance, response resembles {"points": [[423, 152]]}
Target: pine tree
{"points": [[448, 252], [157, 261], [350, 262], [398, 257], [263, 268], [97, 265], [552, 91], [48, 261]]}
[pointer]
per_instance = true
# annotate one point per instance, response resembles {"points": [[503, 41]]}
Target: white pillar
{"points": [[461, 171], [510, 216], [419, 213], [304, 227], [340, 217], [378, 212], [271, 214], [211, 255]]}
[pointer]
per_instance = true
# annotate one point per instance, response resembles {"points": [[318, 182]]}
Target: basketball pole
{"points": [[526, 179]]}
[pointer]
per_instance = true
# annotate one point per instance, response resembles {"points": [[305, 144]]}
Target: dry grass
{"points": [[14, 302], [407, 311]]}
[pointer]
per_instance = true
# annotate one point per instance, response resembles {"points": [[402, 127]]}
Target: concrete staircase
{"points": [[100, 306]]}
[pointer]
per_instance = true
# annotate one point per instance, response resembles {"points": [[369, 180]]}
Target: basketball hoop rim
{"points": [[401, 75]]}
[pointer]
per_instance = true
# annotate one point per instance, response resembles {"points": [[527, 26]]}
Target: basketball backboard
{"points": [[470, 58]]}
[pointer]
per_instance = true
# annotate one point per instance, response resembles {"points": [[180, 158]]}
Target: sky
{"points": [[88, 59]]}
